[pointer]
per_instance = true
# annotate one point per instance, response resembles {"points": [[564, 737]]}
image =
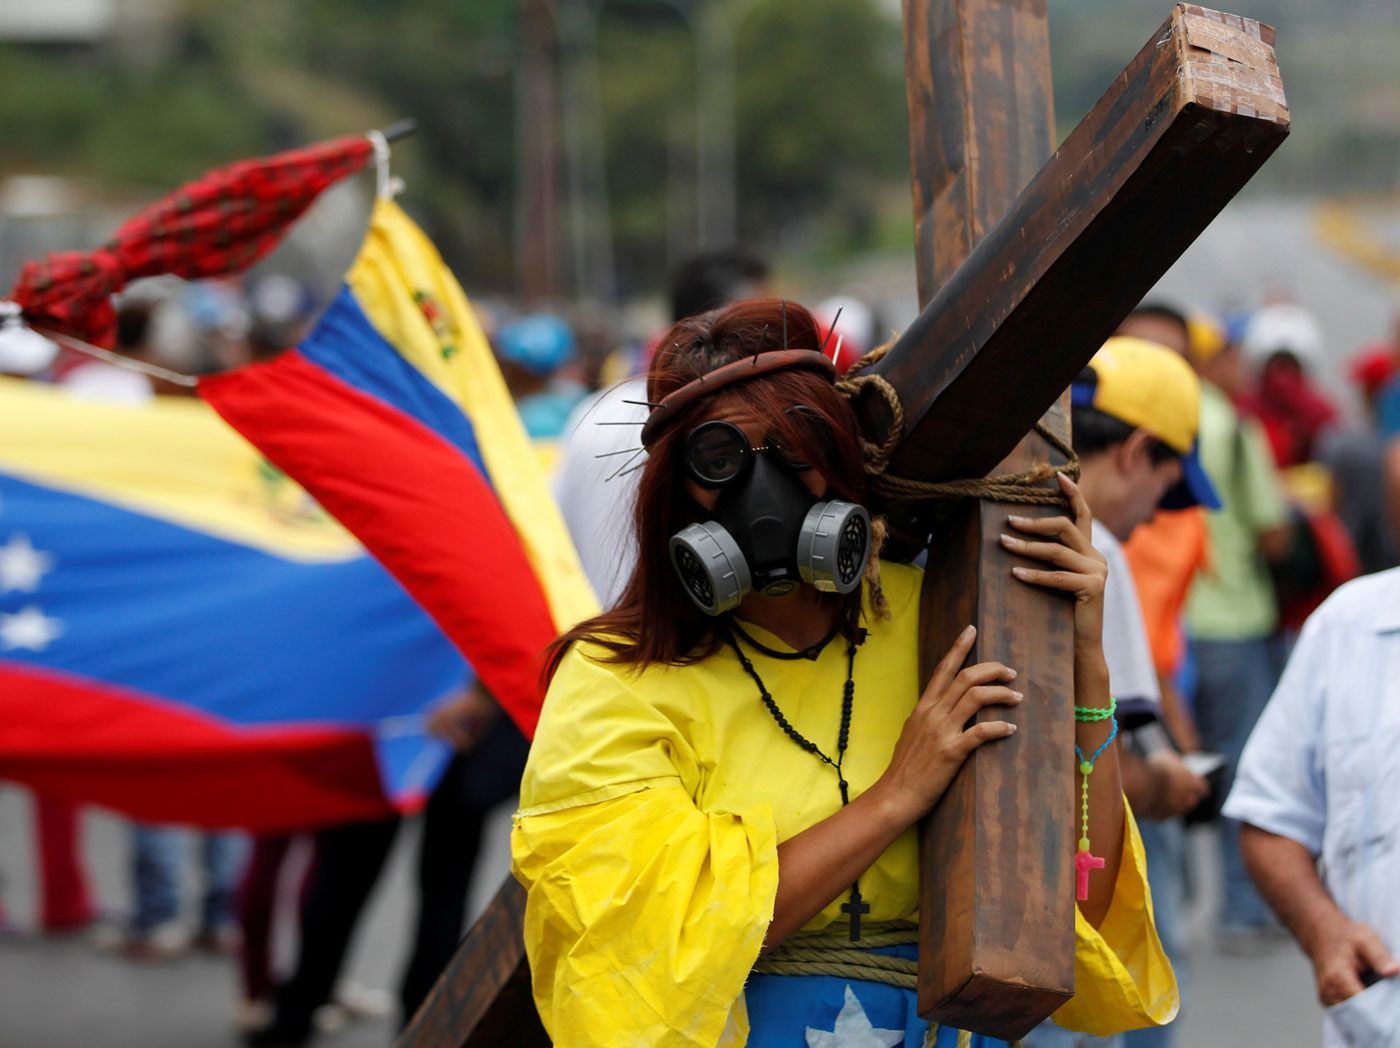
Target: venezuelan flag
{"points": [[186, 636], [394, 415]]}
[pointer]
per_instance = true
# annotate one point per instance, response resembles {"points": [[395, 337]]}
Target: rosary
{"points": [[1084, 861], [856, 906]]}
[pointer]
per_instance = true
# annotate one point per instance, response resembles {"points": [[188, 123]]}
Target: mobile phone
{"points": [[1203, 763]]}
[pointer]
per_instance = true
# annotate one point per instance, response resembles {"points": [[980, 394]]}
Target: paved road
{"points": [[64, 994]]}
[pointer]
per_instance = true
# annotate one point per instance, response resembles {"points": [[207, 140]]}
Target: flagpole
{"points": [[400, 129], [87, 348]]}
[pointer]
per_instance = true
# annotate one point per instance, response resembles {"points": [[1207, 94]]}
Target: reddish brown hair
{"points": [[654, 621]]}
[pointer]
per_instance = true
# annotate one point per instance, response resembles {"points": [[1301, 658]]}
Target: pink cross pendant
{"points": [[1083, 863]]}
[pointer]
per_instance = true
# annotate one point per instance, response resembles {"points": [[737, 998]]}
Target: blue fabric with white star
{"points": [[817, 1011]]}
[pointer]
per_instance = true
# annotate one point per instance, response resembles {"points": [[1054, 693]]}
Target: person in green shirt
{"points": [[1231, 611]]}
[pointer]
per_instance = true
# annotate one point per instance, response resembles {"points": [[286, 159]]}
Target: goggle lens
{"points": [[715, 452]]}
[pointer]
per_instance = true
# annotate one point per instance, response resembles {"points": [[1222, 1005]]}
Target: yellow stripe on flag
{"points": [[173, 459], [415, 303]]}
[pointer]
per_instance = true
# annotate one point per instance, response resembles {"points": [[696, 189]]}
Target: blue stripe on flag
{"points": [[346, 344], [215, 626]]}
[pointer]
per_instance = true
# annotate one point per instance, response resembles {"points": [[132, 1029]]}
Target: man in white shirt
{"points": [[1320, 780], [596, 486], [595, 482]]}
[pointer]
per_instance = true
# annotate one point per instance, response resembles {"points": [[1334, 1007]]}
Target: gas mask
{"points": [[768, 531]]}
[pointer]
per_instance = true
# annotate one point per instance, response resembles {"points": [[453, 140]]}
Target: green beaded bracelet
{"points": [[1096, 713]]}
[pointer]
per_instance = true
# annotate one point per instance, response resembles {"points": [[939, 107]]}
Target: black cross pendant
{"points": [[855, 908]]}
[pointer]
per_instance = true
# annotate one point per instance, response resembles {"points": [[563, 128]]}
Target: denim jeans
{"points": [[222, 856], [156, 859], [1234, 681]]}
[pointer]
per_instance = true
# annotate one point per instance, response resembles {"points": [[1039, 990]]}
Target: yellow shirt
{"points": [[652, 806]]}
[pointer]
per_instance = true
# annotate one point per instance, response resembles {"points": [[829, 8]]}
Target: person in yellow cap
{"points": [[1145, 409], [1232, 615], [1135, 411]]}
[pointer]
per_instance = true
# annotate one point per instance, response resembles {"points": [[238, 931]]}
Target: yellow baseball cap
{"points": [[1206, 336], [1153, 388]]}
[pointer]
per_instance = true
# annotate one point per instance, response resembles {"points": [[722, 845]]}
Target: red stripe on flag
{"points": [[415, 502], [88, 741]]}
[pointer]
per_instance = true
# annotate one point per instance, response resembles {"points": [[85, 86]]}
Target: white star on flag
{"points": [[853, 1030], [21, 565], [29, 628]]}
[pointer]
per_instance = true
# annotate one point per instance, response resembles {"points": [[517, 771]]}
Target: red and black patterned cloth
{"points": [[222, 223]]}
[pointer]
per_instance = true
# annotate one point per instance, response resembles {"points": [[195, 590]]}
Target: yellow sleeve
{"points": [[1122, 978], [643, 917], [644, 914], [602, 734]]}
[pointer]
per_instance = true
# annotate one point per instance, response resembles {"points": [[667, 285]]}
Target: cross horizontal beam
{"points": [[1179, 132]]}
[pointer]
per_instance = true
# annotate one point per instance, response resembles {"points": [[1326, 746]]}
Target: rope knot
{"points": [[1026, 487]]}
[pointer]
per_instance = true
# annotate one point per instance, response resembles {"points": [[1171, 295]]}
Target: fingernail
{"points": [[1020, 573], [1011, 727], [1010, 673], [969, 631], [1017, 520], [1007, 538], [1018, 695]]}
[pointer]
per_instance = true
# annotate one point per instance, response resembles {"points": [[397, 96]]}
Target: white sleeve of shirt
{"points": [[1279, 785], [1132, 676], [596, 504]]}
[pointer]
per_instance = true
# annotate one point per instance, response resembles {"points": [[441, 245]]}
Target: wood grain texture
{"points": [[996, 904], [483, 998], [996, 945], [1156, 159], [981, 119]]}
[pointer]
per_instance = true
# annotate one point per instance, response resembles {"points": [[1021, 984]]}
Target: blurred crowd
{"points": [[1310, 498]]}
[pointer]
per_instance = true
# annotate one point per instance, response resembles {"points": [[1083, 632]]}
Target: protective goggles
{"points": [[718, 453]]}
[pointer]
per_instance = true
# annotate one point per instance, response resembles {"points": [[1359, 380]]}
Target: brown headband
{"points": [[738, 371]]}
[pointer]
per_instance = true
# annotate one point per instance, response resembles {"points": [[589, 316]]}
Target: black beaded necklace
{"points": [[806, 653], [856, 906]]}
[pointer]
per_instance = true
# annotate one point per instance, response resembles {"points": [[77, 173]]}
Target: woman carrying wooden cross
{"points": [[732, 760]]}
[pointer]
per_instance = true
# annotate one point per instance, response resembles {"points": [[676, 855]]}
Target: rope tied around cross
{"points": [[1026, 487]]}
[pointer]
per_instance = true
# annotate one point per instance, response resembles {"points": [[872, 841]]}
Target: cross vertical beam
{"points": [[996, 925], [981, 120]]}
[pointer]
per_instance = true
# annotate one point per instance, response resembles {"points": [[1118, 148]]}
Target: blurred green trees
{"points": [[818, 125], [818, 113]]}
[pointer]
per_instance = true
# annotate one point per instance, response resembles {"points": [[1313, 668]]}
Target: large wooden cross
{"points": [[1024, 270]]}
